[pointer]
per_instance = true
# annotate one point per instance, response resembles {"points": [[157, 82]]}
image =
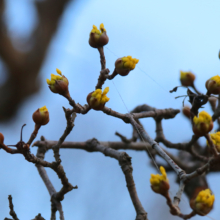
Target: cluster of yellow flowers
{"points": [[204, 117], [101, 96], [129, 62], [97, 99], [216, 140], [202, 124], [95, 30], [203, 203], [160, 183], [54, 77], [216, 79], [125, 64], [59, 84], [98, 38]]}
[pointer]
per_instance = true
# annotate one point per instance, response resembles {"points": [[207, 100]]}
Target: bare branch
{"points": [[11, 206]]}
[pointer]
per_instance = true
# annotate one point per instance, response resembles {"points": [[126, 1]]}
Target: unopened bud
{"points": [[186, 111], [213, 85], [202, 124], [59, 84], [160, 183], [125, 64], [98, 38], [202, 204], [97, 99], [41, 116], [187, 78]]}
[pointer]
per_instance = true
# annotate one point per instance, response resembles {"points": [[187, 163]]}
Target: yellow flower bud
{"points": [[187, 78], [59, 84], [125, 64], [41, 116], [213, 85], [98, 38], [97, 99], [160, 183], [203, 202], [216, 140], [202, 124]]}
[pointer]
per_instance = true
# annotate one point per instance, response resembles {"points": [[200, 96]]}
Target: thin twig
{"points": [[11, 206]]}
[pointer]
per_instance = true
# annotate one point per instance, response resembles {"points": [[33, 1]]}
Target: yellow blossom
{"points": [[203, 202], [59, 84], [98, 38], [43, 109], [160, 183], [125, 64], [187, 78], [213, 85], [97, 99], [215, 139], [202, 124], [97, 31]]}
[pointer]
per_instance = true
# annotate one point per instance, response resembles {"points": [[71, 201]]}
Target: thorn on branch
{"points": [[38, 217], [123, 138], [174, 89]]}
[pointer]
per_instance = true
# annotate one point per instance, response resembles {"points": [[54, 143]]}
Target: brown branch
{"points": [[78, 108], [138, 146], [55, 205], [161, 113], [70, 117], [124, 160], [164, 113], [11, 206], [125, 163], [102, 77], [102, 57], [59, 196]]}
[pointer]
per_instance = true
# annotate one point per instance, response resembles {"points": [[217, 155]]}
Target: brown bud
{"points": [[97, 99], [1, 138], [98, 38], [212, 85], [41, 116], [186, 111], [187, 78]]}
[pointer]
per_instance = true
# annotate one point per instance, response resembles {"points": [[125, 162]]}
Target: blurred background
{"points": [[36, 37]]}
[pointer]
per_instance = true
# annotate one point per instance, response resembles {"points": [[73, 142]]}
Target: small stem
{"points": [[102, 57]]}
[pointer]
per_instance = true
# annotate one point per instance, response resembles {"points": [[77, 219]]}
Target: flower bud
{"points": [[98, 38], [59, 84], [97, 99], [41, 116], [213, 85], [216, 140], [125, 64], [187, 78], [203, 202], [186, 111], [160, 183], [1, 138], [202, 124]]}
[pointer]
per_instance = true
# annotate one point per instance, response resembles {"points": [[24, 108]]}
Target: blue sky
{"points": [[166, 36]]}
